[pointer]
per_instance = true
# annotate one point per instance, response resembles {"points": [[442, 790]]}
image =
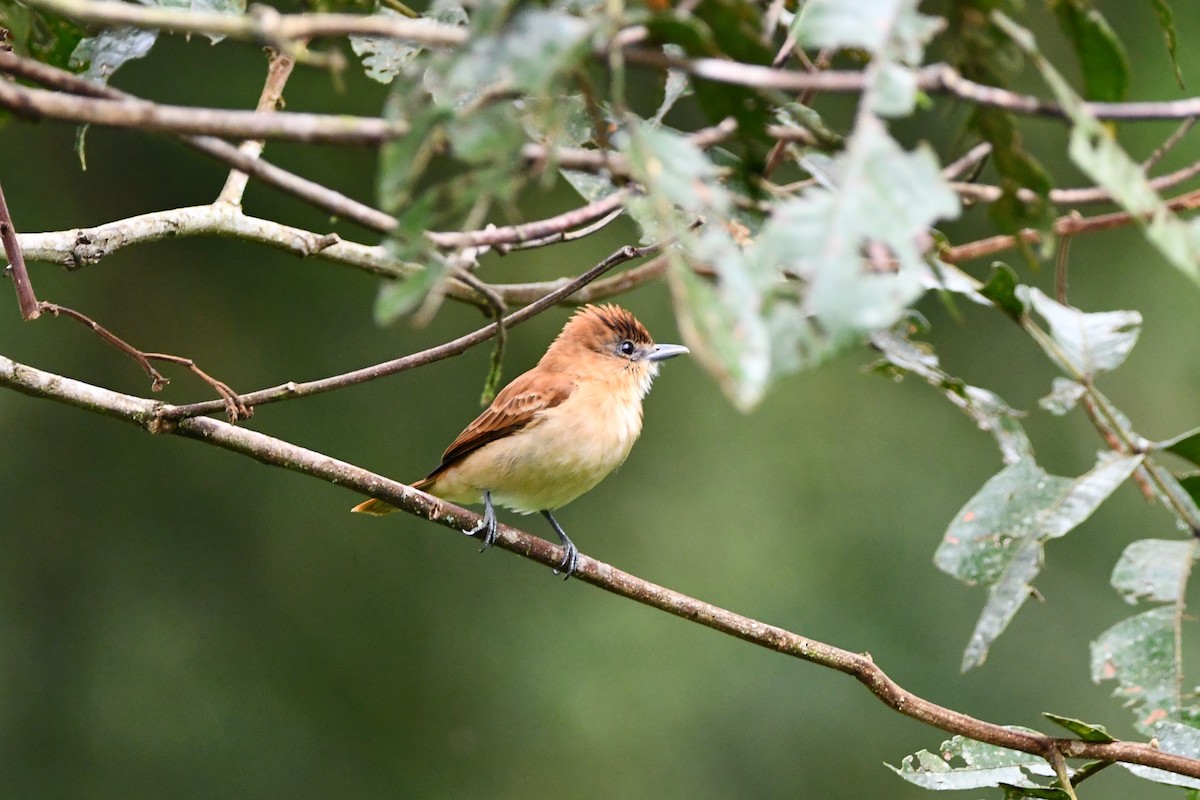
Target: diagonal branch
{"points": [[26, 300], [156, 418], [454, 347]]}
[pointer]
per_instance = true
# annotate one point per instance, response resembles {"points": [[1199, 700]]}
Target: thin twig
{"points": [[262, 24], [270, 100], [276, 452], [142, 114], [27, 301], [1170, 142], [317, 195], [233, 406], [1063, 226], [288, 391], [518, 234]]}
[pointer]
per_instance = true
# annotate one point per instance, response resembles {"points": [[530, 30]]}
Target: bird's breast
{"points": [[563, 453]]}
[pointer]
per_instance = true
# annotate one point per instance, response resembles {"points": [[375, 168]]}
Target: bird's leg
{"points": [[571, 556], [489, 525]]}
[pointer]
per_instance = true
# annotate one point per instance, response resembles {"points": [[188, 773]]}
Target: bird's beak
{"points": [[662, 352]]}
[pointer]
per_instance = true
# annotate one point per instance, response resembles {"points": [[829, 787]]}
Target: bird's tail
{"points": [[376, 508]]}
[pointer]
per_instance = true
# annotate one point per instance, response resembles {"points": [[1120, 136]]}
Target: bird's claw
{"points": [[490, 529], [570, 561]]}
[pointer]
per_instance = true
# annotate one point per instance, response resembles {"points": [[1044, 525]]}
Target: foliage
{"points": [[799, 231]]}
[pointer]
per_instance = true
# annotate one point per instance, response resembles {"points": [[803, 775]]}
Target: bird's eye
{"points": [[627, 348]]}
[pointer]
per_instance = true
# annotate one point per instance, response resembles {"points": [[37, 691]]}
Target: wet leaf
{"points": [[1172, 737], [1064, 394], [1102, 59]]}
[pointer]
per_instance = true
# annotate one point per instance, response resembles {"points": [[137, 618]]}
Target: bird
{"points": [[555, 431]]}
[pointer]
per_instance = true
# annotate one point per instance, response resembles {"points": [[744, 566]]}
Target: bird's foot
{"points": [[570, 560], [489, 525]]}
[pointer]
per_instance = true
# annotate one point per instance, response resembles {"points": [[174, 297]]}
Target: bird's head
{"points": [[609, 340]]}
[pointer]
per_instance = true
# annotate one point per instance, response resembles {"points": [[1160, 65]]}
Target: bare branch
{"points": [[291, 390], [269, 101], [314, 193], [518, 234], [145, 115], [268, 450], [1067, 225], [27, 301], [261, 24]]}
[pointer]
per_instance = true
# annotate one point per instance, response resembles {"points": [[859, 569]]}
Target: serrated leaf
{"points": [[1095, 151], [1087, 731], [968, 764], [1139, 653], [1102, 59], [1154, 569], [996, 539], [1064, 395], [1001, 289], [1166, 21], [988, 411], [1171, 737], [1088, 343]]}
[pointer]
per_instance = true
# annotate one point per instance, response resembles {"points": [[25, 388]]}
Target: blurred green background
{"points": [[177, 621]]}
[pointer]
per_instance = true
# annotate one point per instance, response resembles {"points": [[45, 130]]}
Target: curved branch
{"points": [[156, 417]]}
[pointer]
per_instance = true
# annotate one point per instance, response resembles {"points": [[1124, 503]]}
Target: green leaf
{"points": [[1087, 343], [1102, 59], [1095, 151], [45, 37], [1171, 737], [1001, 289], [397, 299], [1139, 653], [990, 413], [385, 58], [1186, 446], [967, 764], [1166, 21], [1087, 731], [996, 539], [1154, 569]]}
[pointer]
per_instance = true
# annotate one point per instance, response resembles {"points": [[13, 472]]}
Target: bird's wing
{"points": [[514, 409]]}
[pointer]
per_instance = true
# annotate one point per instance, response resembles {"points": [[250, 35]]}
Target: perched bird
{"points": [[556, 431]]}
